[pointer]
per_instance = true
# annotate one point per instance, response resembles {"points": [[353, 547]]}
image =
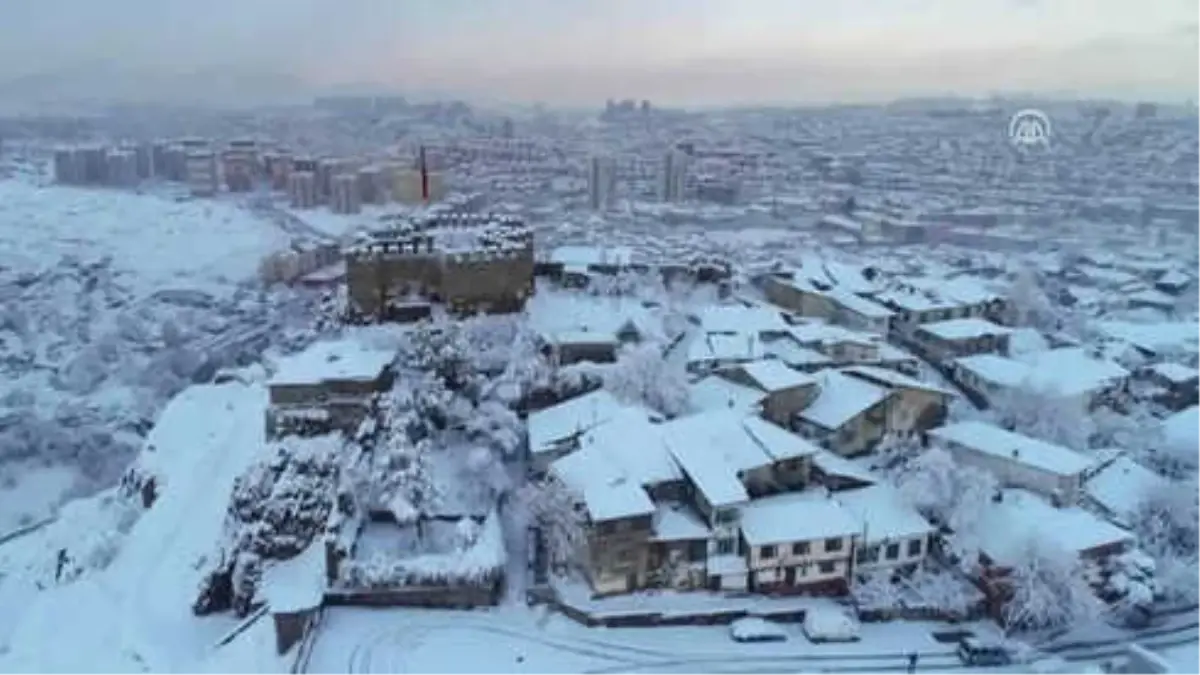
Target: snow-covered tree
{"points": [[1029, 304], [556, 511], [1167, 524], [950, 495], [642, 375], [1048, 589]]}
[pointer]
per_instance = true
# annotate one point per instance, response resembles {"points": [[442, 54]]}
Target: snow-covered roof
{"points": [[297, 583], [1006, 525], [634, 444], [712, 448], [676, 522], [858, 304], [832, 464], [725, 347], [1153, 336], [718, 393], [789, 351], [592, 255], [779, 443], [891, 378], [841, 399], [1181, 432], [993, 440], [1176, 373], [1065, 371], [741, 320], [550, 426], [332, 360], [575, 317], [884, 513], [795, 517], [1121, 486], [773, 375], [967, 328], [608, 492]]}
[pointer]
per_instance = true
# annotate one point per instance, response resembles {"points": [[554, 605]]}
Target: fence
{"points": [[463, 596]]}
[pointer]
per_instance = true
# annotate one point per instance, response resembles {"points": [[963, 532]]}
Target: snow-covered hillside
{"points": [[110, 302], [116, 582]]}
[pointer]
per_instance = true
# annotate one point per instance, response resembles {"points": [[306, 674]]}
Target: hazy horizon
{"points": [[571, 52]]}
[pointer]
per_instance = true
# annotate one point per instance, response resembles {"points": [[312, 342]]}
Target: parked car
{"points": [[830, 624], [756, 629], [974, 651]]}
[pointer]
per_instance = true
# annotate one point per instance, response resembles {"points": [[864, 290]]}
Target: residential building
{"points": [[785, 391], [1062, 373], [798, 543], [471, 262], [555, 432], [673, 176], [943, 341], [914, 407], [302, 189], [1016, 460], [892, 535], [344, 195], [201, 172], [330, 386], [849, 415]]}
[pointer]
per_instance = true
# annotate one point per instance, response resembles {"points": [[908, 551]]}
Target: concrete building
{"points": [[602, 179], [344, 197], [302, 189], [471, 262], [202, 175], [121, 168], [673, 176], [67, 170], [240, 164]]}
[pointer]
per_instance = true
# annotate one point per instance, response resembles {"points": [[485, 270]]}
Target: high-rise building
{"points": [[302, 188], [240, 164], [202, 174], [673, 176], [602, 180], [344, 195], [66, 169]]}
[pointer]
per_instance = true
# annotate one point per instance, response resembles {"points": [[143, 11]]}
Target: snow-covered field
{"points": [[110, 302]]}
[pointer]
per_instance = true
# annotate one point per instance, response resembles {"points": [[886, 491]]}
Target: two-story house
{"points": [[893, 534], [798, 542], [915, 406], [848, 416], [1016, 460], [943, 341], [785, 391], [331, 385]]}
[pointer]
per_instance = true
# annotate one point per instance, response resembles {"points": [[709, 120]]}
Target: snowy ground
{"points": [[518, 640], [110, 302], [125, 602]]}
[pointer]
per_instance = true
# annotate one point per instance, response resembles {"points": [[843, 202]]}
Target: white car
{"points": [[755, 629], [828, 624]]}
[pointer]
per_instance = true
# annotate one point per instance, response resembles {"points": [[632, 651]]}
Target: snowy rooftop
{"points": [[1065, 371], [334, 360], [607, 491], [634, 444], [584, 256], [858, 304], [675, 522], [1121, 486], [556, 314], [884, 513], [795, 517], [998, 442], [1022, 515], [717, 393], [712, 448], [892, 378], [559, 422], [725, 347], [1176, 373], [964, 329], [741, 320], [841, 399], [832, 464], [296, 583], [773, 375], [1182, 433]]}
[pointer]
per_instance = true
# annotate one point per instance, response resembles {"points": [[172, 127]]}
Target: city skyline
{"points": [[697, 52]]}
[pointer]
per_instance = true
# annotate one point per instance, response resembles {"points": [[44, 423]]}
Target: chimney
{"points": [[1016, 453]]}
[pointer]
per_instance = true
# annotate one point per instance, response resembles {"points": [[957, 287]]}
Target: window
{"points": [[725, 546], [725, 516], [834, 544], [868, 554], [826, 567], [893, 551], [697, 550], [767, 552], [800, 548], [914, 548]]}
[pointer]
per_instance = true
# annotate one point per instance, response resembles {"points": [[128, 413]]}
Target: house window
{"points": [[914, 548], [767, 552], [725, 546], [800, 548], [725, 516], [893, 551], [834, 544], [826, 567], [696, 550]]}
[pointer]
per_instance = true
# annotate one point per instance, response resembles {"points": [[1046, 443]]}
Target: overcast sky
{"points": [[677, 51]]}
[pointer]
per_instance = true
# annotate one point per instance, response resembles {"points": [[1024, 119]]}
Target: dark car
{"points": [[976, 652]]}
